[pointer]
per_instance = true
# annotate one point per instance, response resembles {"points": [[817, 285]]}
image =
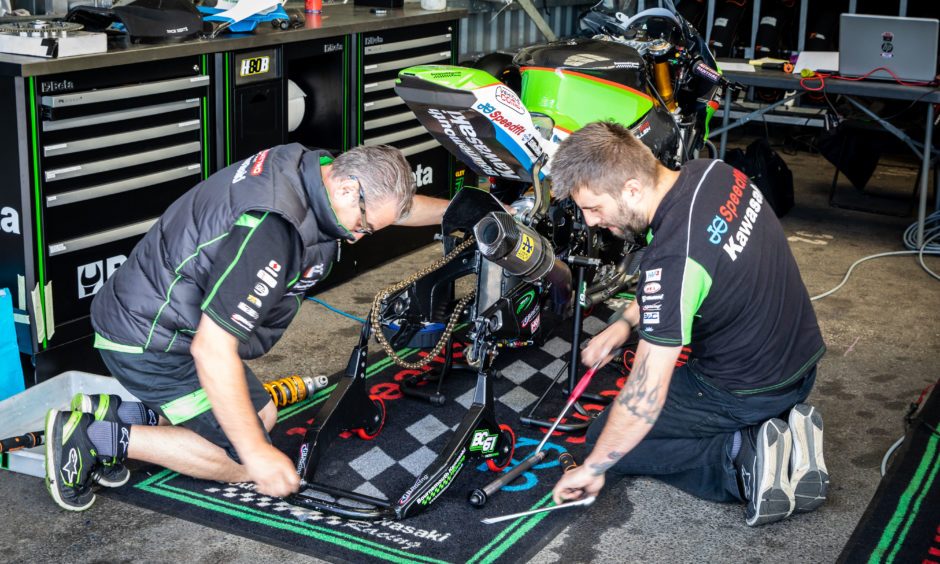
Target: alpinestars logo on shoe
{"points": [[747, 478], [70, 469], [125, 438]]}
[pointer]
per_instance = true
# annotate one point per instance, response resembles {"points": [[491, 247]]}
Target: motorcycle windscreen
{"points": [[475, 117]]}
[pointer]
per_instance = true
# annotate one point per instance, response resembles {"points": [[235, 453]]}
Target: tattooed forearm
{"points": [[641, 395], [612, 459]]}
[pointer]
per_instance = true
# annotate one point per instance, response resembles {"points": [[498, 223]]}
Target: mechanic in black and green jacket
{"points": [[217, 280], [717, 276]]}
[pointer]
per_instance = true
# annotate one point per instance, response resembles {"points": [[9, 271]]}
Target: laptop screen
{"points": [[905, 46]]}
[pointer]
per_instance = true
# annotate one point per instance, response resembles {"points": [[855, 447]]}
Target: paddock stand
{"points": [[350, 408], [573, 365]]}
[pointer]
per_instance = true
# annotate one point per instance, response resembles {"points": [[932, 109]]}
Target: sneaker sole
{"points": [[775, 501], [81, 402], [103, 481], [52, 439], [808, 472]]}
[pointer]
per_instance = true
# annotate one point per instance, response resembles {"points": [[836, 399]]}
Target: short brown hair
{"points": [[382, 171], [601, 156]]}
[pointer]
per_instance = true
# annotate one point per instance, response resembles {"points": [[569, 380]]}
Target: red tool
{"points": [[478, 496]]}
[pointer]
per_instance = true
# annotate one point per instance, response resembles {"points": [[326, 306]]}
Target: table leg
{"points": [[924, 175]]}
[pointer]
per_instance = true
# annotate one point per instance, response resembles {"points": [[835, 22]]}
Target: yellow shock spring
{"points": [[285, 391]]}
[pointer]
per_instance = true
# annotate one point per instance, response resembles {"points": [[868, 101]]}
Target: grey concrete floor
{"points": [[881, 328]]}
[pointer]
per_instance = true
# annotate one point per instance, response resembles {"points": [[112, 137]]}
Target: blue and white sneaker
{"points": [[763, 473], [808, 474]]}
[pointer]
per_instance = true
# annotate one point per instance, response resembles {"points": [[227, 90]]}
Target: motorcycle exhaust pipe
{"points": [[522, 252]]}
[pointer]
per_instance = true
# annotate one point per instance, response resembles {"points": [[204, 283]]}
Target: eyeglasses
{"points": [[364, 227]]}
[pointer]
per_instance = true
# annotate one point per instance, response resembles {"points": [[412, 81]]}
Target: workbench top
{"points": [[336, 20]]}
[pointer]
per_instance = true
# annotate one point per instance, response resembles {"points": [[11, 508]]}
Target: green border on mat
{"points": [[500, 543], [908, 505]]}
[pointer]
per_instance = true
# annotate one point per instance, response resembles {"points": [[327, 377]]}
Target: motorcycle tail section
{"points": [[475, 117]]}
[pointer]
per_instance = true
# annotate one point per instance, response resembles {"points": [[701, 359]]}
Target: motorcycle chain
{"points": [[451, 322]]}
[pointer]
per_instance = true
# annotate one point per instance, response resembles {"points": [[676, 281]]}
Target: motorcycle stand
{"points": [[417, 386], [350, 408], [581, 263]]}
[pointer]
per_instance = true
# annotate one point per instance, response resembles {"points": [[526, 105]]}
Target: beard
{"points": [[628, 223]]}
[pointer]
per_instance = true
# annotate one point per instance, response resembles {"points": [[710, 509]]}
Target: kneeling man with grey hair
{"points": [[217, 280]]}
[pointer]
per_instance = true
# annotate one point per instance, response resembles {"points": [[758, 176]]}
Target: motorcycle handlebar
{"points": [[702, 70]]}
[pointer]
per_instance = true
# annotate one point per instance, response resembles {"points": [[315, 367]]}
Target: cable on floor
{"points": [[931, 234], [331, 308]]}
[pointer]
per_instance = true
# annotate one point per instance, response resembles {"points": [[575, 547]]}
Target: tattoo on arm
{"points": [[612, 457], [640, 396]]}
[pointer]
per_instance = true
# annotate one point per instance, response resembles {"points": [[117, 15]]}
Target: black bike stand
{"points": [[580, 263], [350, 408], [417, 386]]}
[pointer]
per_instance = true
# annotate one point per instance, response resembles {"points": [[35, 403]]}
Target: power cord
{"points": [[929, 247], [821, 77], [331, 308]]}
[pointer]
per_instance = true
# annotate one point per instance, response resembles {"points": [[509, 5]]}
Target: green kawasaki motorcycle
{"points": [[652, 73]]}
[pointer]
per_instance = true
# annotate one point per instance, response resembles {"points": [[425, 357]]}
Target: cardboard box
{"points": [[26, 412]]}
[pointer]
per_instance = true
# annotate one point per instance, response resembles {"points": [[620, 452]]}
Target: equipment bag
{"points": [[11, 372], [768, 171]]}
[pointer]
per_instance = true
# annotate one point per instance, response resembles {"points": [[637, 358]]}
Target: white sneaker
{"points": [[808, 474]]}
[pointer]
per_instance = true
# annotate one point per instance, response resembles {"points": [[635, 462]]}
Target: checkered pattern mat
{"points": [[415, 432]]}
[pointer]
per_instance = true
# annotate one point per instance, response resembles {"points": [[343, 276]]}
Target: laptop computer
{"points": [[906, 46]]}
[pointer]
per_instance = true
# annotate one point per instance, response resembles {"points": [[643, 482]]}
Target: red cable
{"points": [[822, 81]]}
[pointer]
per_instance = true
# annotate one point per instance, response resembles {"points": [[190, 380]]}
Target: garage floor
{"points": [[883, 335]]}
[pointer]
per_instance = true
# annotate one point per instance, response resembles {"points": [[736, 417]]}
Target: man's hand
{"points": [[577, 483], [599, 348], [272, 472]]}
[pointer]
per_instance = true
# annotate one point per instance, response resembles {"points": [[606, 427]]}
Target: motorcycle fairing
{"points": [[580, 81], [475, 117]]}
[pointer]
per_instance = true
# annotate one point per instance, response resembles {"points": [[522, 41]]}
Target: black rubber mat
{"points": [[450, 530], [902, 522]]}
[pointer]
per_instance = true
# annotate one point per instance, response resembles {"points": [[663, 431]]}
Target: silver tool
{"points": [[586, 501]]}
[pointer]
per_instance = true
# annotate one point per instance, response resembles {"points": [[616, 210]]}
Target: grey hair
{"points": [[601, 156], [382, 171]]}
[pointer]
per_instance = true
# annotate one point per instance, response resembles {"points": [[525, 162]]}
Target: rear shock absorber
{"points": [[292, 389]]}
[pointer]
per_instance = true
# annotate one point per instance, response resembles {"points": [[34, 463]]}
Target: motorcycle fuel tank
{"points": [[579, 81]]}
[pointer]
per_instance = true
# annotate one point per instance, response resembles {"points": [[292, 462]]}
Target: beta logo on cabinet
{"points": [[9, 220], [92, 276]]}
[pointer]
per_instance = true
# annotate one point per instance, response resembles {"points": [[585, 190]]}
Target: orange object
{"points": [[663, 80]]}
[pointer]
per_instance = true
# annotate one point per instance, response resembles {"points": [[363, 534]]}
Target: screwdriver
{"points": [[28, 440]]}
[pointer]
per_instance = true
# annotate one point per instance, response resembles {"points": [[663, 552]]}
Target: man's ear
{"points": [[632, 190], [346, 190]]}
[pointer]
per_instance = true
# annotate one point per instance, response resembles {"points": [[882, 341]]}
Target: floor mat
{"points": [[385, 467], [902, 522]]}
